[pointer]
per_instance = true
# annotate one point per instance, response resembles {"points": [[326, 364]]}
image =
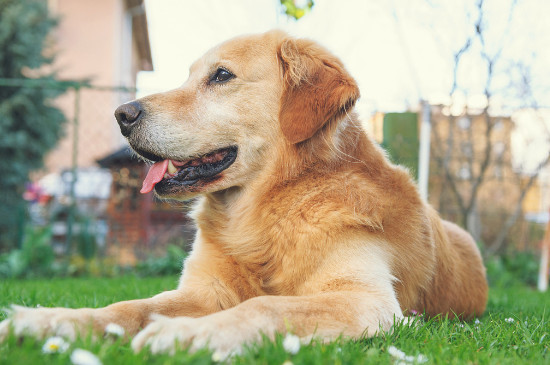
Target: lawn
{"points": [[514, 330]]}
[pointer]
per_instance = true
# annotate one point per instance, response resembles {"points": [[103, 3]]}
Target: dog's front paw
{"points": [[45, 322], [165, 335]]}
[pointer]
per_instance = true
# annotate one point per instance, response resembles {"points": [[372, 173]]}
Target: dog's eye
{"points": [[221, 76]]}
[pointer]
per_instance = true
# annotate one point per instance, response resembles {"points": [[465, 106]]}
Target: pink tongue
{"points": [[155, 174]]}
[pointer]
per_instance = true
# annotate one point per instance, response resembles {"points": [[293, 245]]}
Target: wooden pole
{"points": [[544, 260], [424, 153]]}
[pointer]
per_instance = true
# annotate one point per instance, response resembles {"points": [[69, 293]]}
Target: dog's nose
{"points": [[127, 116]]}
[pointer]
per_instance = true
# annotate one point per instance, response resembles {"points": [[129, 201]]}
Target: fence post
{"points": [[74, 163], [542, 284], [424, 154]]}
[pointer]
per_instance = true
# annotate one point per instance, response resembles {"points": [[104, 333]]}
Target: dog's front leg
{"points": [[327, 315], [202, 291], [131, 315]]}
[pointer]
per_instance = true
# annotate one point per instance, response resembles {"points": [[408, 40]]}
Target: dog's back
{"points": [[459, 285], [438, 267]]}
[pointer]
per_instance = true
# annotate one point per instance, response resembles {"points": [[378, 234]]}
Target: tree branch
{"points": [[497, 243]]}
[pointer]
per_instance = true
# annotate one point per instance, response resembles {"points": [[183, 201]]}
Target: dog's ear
{"points": [[317, 88]]}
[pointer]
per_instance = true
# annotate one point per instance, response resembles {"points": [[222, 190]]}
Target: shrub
{"points": [[169, 264], [513, 268], [35, 258]]}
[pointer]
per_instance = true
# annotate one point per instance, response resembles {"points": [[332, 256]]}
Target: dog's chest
{"points": [[279, 251], [279, 238]]}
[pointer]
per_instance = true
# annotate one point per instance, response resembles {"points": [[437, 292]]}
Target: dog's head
{"points": [[242, 101]]}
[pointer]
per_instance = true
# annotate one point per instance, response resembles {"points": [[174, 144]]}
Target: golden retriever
{"points": [[304, 226]]}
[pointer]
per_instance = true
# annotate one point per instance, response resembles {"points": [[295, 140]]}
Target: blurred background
{"points": [[457, 91]]}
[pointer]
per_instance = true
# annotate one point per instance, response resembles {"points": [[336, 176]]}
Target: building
{"points": [[471, 148], [105, 42], [460, 141], [138, 223]]}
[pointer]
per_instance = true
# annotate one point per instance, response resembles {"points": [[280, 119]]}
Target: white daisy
{"points": [[421, 359], [84, 357], [55, 344], [402, 358], [395, 352], [114, 330], [291, 343], [218, 356]]}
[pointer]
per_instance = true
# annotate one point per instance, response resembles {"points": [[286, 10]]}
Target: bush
{"points": [[79, 265], [514, 268], [35, 258], [169, 264]]}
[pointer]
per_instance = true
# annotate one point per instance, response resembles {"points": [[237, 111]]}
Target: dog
{"points": [[304, 225]]}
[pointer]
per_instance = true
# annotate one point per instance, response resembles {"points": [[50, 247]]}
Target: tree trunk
{"points": [[473, 223]]}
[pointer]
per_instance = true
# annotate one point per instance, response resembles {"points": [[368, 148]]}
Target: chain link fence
{"points": [[87, 194]]}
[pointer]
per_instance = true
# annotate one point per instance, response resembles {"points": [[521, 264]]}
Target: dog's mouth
{"points": [[166, 174]]}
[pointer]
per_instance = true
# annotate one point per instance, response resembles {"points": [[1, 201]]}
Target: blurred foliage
{"points": [[29, 125], [79, 265], [513, 269], [297, 9], [401, 139], [170, 263], [34, 259], [85, 240]]}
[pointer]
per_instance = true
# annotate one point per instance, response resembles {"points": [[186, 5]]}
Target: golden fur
{"points": [[311, 230]]}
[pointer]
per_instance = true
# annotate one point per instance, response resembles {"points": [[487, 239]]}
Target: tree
{"points": [[296, 8], [469, 162], [29, 124]]}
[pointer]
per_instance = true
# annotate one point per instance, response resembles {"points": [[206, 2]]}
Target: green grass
{"points": [[526, 340]]}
